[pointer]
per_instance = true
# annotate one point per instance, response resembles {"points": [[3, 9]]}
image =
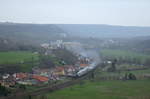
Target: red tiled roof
{"points": [[59, 68], [21, 75], [69, 67], [83, 65], [40, 78]]}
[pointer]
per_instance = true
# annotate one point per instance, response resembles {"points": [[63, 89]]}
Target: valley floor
{"points": [[135, 89]]}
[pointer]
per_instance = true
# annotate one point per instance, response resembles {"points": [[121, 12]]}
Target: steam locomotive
{"points": [[85, 70]]}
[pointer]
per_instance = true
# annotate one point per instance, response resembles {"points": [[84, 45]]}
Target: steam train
{"points": [[85, 70]]}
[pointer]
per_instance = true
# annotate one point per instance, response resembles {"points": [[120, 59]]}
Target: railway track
{"points": [[59, 86], [48, 89]]}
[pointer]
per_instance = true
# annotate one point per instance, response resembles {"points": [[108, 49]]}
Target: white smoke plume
{"points": [[90, 53]]}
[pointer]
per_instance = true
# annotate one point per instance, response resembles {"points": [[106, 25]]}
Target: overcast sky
{"points": [[114, 12]]}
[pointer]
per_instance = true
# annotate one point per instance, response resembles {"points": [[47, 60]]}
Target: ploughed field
{"points": [[136, 89]]}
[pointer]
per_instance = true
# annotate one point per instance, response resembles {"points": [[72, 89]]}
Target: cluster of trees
{"points": [[4, 91], [46, 61], [9, 68], [65, 55], [58, 57], [11, 45], [145, 62], [113, 66], [129, 76], [126, 57]]}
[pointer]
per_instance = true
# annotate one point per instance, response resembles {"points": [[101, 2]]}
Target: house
{"points": [[21, 76], [24, 83], [53, 76], [70, 70], [56, 44], [8, 82], [28, 82], [59, 71], [84, 60], [42, 72], [5, 76], [45, 45], [83, 65], [40, 78]]}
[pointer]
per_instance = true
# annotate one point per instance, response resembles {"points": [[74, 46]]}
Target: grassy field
{"points": [[120, 53], [138, 73], [104, 90], [16, 57], [125, 55]]}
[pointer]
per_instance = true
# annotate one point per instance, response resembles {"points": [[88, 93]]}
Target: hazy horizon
{"points": [[108, 12]]}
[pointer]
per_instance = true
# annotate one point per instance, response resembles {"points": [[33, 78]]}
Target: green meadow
{"points": [[123, 53], [125, 56], [16, 57], [138, 89], [21, 59]]}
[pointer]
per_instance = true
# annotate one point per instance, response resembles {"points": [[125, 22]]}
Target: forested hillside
{"points": [[105, 31], [30, 32]]}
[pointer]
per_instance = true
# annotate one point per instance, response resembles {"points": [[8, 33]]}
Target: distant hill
{"points": [[104, 31], [40, 33], [30, 32]]}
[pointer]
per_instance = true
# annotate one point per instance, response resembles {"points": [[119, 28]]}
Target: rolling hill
{"points": [[40, 33], [105, 31]]}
